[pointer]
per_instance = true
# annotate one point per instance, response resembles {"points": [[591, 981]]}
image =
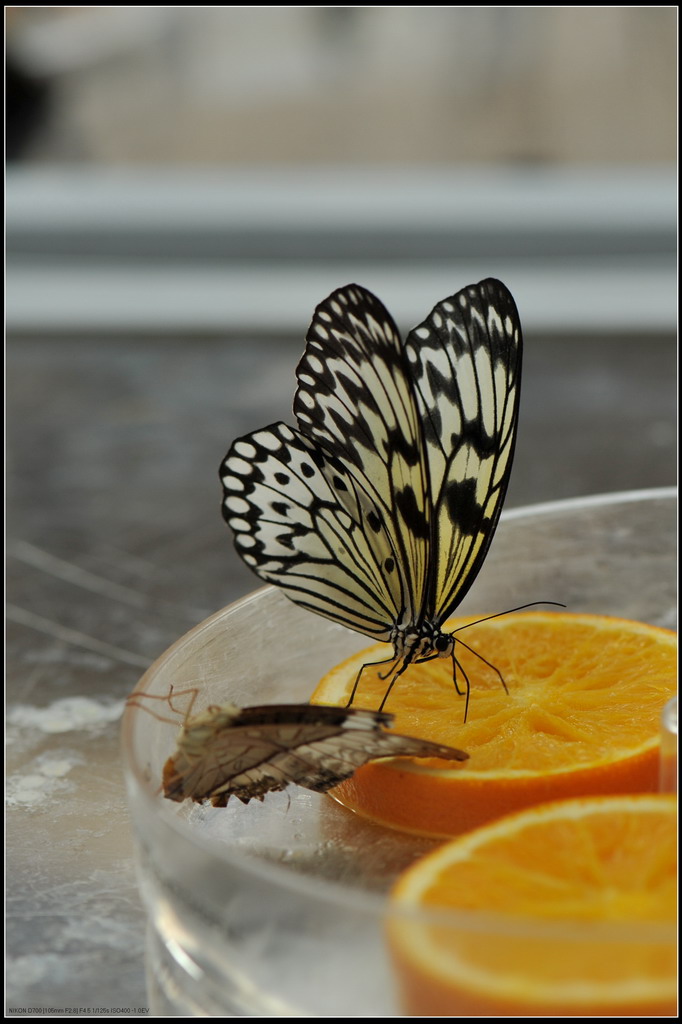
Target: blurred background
{"points": [[184, 185], [273, 85]]}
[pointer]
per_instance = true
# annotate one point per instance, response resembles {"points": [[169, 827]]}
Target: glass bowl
{"points": [[279, 908]]}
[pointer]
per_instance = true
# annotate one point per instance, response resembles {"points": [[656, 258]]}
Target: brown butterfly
{"points": [[229, 751]]}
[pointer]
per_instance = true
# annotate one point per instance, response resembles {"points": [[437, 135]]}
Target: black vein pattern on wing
{"points": [[465, 360], [354, 397], [282, 500]]}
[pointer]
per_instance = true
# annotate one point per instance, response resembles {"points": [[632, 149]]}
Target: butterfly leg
{"points": [[485, 661], [357, 680], [136, 697], [396, 675], [457, 664], [183, 693]]}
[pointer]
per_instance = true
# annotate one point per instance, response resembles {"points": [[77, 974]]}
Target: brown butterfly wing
{"points": [[247, 752]]}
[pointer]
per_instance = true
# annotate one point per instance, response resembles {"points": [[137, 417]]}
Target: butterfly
{"points": [[378, 509], [229, 751]]}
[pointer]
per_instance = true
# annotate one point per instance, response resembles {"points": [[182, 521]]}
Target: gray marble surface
{"points": [[116, 547]]}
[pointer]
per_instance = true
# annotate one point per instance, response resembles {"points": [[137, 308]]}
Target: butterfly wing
{"points": [[281, 498], [428, 428], [247, 752], [465, 361], [356, 400]]}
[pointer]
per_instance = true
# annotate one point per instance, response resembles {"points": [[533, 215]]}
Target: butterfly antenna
{"points": [[496, 615]]}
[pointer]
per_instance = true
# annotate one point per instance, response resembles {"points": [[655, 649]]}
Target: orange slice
{"points": [[566, 909], [581, 717]]}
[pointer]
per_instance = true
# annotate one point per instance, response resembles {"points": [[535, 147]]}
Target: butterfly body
{"points": [[378, 509], [414, 643]]}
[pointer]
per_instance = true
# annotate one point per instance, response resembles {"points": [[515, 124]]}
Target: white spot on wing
{"points": [[268, 440], [244, 448], [233, 483], [239, 466], [236, 504]]}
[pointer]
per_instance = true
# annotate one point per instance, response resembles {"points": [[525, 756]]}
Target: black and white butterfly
{"points": [[378, 510]]}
